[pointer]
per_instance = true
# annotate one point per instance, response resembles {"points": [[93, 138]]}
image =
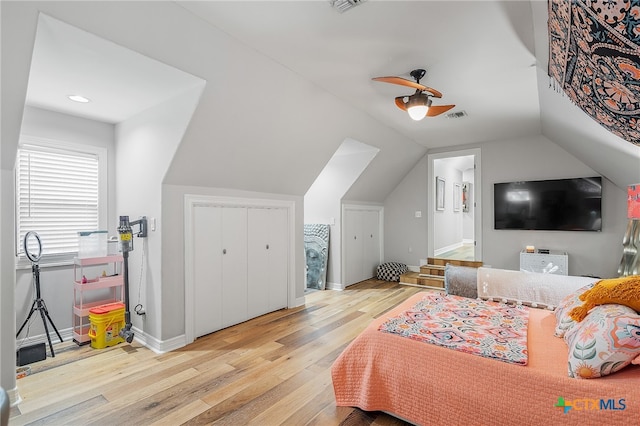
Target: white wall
{"points": [[405, 236], [145, 146], [596, 253]]}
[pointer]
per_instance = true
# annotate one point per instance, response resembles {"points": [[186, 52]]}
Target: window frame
{"points": [[67, 148]]}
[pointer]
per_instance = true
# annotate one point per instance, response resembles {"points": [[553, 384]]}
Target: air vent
{"points": [[457, 114], [344, 5]]}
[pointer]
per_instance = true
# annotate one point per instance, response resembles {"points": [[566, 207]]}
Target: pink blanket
{"points": [[489, 329], [432, 385]]}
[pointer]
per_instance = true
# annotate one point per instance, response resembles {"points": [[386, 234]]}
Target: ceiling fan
{"points": [[417, 105]]}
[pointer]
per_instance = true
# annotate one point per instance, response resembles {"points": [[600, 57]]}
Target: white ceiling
{"points": [[119, 82], [483, 66]]}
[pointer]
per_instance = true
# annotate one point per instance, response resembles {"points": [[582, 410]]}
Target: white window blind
{"points": [[57, 196]]}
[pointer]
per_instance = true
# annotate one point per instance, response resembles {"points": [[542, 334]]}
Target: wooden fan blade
{"points": [[400, 103], [408, 83], [435, 110], [401, 81]]}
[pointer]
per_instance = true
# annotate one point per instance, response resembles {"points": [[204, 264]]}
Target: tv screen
{"points": [[549, 205]]}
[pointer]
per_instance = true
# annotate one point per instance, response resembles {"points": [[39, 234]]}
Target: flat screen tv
{"points": [[549, 205]]}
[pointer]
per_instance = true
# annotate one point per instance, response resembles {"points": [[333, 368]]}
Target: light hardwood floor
{"points": [[271, 370]]}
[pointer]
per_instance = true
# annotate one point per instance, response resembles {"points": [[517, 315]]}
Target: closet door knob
{"points": [[224, 251], [355, 237], [267, 246]]}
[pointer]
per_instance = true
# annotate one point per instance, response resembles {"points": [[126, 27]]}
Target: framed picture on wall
{"points": [[466, 188], [439, 193], [457, 197]]}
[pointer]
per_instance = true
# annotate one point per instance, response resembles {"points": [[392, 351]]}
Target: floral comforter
{"points": [[488, 329]]}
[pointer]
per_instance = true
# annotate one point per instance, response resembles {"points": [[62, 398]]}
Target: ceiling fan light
{"points": [[417, 112], [417, 106]]}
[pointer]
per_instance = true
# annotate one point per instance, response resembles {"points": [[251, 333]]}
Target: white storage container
{"points": [[92, 244]]}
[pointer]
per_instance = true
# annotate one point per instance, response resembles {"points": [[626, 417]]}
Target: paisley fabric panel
{"points": [[594, 56], [488, 329]]}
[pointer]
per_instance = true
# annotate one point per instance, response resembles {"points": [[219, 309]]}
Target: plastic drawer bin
{"points": [[106, 322]]}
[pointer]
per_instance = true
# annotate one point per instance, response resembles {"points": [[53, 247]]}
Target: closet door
{"points": [[258, 281], [278, 259], [353, 246], [207, 269], [268, 260], [234, 265], [370, 243]]}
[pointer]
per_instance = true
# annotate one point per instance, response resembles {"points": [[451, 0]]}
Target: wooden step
{"points": [[420, 280], [434, 261], [432, 270]]}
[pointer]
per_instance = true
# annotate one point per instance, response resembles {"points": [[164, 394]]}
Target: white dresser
{"points": [[554, 262]]}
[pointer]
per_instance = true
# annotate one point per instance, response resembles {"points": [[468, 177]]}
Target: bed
{"points": [[427, 384]]}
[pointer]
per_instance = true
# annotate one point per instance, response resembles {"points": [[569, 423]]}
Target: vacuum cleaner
{"points": [[126, 245]]}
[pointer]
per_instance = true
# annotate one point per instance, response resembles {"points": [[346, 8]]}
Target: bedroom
{"points": [[395, 180]]}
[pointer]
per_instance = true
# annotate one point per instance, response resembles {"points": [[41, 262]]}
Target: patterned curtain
{"points": [[594, 57]]}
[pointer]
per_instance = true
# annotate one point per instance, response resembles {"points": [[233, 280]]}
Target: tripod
{"points": [[38, 303]]}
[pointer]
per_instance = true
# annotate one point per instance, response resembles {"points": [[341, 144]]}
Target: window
{"points": [[57, 195]]}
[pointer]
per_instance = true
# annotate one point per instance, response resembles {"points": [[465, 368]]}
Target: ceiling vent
{"points": [[344, 5], [457, 114]]}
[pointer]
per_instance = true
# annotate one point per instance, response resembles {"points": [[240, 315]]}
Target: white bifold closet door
{"points": [[240, 268], [220, 272], [234, 265], [207, 271], [362, 244], [268, 253]]}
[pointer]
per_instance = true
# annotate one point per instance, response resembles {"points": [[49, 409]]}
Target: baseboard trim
{"points": [[445, 249], [156, 345], [300, 301], [159, 346], [335, 286], [14, 397], [66, 334]]}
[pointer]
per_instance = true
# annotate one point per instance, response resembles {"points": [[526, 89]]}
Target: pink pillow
{"points": [[606, 341]]}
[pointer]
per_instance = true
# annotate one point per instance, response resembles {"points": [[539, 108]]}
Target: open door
{"points": [[454, 205]]}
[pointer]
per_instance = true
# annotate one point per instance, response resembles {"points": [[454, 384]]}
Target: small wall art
{"points": [[466, 192], [439, 193]]}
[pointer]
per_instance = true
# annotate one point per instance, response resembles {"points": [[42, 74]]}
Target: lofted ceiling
{"points": [[483, 66], [488, 58]]}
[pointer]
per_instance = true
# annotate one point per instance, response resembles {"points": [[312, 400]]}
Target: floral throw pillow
{"points": [[606, 341], [563, 321]]}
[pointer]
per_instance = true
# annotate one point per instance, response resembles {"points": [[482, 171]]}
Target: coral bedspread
{"points": [[431, 385]]}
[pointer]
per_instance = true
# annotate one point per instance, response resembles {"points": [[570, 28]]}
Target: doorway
{"points": [[454, 201]]}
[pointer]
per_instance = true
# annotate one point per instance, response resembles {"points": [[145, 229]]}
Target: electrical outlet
{"points": [[418, 213]]}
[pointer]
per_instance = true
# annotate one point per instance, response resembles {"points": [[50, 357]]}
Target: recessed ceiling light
{"points": [[78, 98]]}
